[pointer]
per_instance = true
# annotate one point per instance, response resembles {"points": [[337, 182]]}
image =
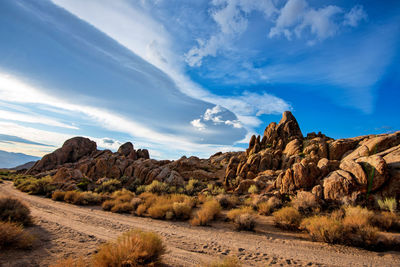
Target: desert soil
{"points": [[64, 230]]}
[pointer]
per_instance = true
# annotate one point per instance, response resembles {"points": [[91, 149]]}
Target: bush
{"points": [[134, 248], [124, 207], [357, 216], [304, 202], [243, 218], [207, 213], [226, 262], [108, 204], [386, 221], [215, 190], [227, 201], [324, 228], [141, 210], [33, 186], [82, 198], [192, 186], [266, 208], [287, 218], [58, 195], [109, 186], [13, 210], [157, 187], [14, 236], [182, 210], [388, 204]]}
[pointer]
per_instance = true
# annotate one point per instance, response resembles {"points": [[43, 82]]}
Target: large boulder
{"points": [[125, 149], [304, 176], [375, 169], [337, 185], [356, 170], [339, 147]]}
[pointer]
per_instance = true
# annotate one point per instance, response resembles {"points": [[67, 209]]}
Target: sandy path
{"points": [[190, 246]]}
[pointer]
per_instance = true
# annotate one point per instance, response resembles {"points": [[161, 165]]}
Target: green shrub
{"points": [[33, 186], [157, 187], [109, 186], [13, 210]]}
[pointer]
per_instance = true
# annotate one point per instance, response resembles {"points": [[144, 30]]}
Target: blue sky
{"points": [[194, 77]]}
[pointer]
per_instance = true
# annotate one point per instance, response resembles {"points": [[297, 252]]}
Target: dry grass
{"points": [[120, 202], [208, 212], [34, 186], [388, 204], [135, 248], [13, 210], [82, 198], [305, 202], [287, 218], [14, 236], [124, 207], [243, 218], [357, 216], [226, 262], [227, 201], [266, 208], [58, 195], [324, 229], [386, 220]]}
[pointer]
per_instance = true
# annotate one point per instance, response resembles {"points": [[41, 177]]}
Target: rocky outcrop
{"points": [[330, 168]]}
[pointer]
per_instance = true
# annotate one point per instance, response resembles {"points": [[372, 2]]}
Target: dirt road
{"points": [[65, 229]]}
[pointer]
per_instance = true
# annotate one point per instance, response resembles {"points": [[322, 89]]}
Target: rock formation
{"points": [[281, 162]]}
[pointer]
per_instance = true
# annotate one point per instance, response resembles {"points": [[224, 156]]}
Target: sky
{"points": [[182, 77]]}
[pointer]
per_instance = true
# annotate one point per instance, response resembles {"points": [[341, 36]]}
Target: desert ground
{"points": [[64, 230]]}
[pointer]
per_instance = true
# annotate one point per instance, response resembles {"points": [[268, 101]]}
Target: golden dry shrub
{"points": [[134, 248], [266, 208], [243, 218], [108, 204], [356, 216], [141, 210], [304, 202], [227, 201], [122, 207], [13, 210], [14, 236], [208, 212], [386, 221], [324, 229], [287, 218], [226, 262], [70, 196], [86, 198], [58, 195], [182, 210], [71, 262], [159, 209]]}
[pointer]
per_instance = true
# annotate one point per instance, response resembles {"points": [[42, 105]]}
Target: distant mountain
{"points": [[11, 159], [25, 166]]}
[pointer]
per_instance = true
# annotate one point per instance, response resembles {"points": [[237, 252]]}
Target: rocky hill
{"points": [[282, 162]]}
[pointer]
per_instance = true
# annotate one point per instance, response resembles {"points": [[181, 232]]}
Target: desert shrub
{"points": [[14, 236], [253, 189], [227, 201], [134, 248], [243, 218], [70, 262], [135, 202], [357, 216], [201, 198], [58, 195], [287, 218], [208, 212], [140, 189], [304, 202], [266, 208], [192, 186], [388, 204], [337, 214], [157, 187], [215, 190], [13, 210], [324, 229], [141, 210], [109, 186], [226, 262], [70, 196], [82, 198], [108, 204], [33, 186], [122, 207], [386, 221], [182, 210]]}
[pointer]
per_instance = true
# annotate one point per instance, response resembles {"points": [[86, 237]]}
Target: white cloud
{"points": [[355, 16], [198, 124], [32, 118]]}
